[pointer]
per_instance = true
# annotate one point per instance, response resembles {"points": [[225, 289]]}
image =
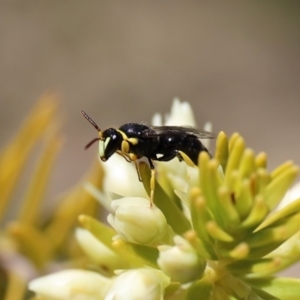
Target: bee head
{"points": [[109, 143], [109, 140]]}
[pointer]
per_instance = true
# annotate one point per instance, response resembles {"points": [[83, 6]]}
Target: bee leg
{"points": [[134, 158], [138, 171], [130, 157], [125, 147], [152, 182], [186, 159], [124, 156]]}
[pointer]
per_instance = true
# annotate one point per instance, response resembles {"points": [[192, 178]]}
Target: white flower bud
{"points": [[121, 178], [71, 285], [181, 114], [99, 253], [181, 262], [146, 284], [137, 222]]}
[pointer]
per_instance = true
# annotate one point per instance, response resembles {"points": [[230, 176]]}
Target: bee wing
{"points": [[171, 130]]}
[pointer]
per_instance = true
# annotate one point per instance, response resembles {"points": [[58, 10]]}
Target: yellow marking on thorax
{"points": [[124, 136], [133, 141], [125, 146]]}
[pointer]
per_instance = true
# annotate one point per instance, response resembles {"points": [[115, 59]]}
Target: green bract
{"points": [[213, 233], [230, 226]]}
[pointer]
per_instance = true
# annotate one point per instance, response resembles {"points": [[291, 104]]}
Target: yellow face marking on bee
{"points": [[102, 146], [106, 141]]}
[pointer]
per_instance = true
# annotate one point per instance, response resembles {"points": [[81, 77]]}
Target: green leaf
{"points": [[230, 216], [173, 214], [210, 182], [247, 164], [283, 230], [261, 160], [292, 208], [279, 185], [244, 200], [286, 254], [246, 266], [131, 255], [200, 216], [263, 179], [241, 251], [171, 289], [234, 158], [200, 290], [218, 233], [149, 254], [282, 288], [101, 231], [258, 212], [221, 153], [282, 168]]}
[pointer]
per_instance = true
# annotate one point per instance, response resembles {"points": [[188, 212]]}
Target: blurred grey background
{"points": [[236, 62]]}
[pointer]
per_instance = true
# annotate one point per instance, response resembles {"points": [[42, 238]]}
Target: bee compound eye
{"points": [[111, 142]]}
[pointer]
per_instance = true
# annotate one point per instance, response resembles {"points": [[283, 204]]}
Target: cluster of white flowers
{"points": [[133, 221], [219, 231]]}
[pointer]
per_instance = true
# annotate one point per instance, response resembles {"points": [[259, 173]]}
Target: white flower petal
{"points": [[121, 178], [146, 284], [157, 120], [99, 253], [181, 262], [71, 285], [181, 114], [137, 222], [207, 127]]}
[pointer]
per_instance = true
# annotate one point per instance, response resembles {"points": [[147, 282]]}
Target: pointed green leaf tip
{"points": [[280, 183], [222, 234], [172, 212], [281, 288], [221, 154], [200, 288], [230, 210]]}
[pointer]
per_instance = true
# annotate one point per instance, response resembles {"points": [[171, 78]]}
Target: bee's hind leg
{"points": [[152, 181]]}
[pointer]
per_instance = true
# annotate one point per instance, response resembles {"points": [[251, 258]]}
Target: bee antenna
{"points": [[91, 143], [90, 120]]}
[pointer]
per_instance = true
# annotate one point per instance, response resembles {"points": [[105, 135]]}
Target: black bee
{"points": [[161, 143]]}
